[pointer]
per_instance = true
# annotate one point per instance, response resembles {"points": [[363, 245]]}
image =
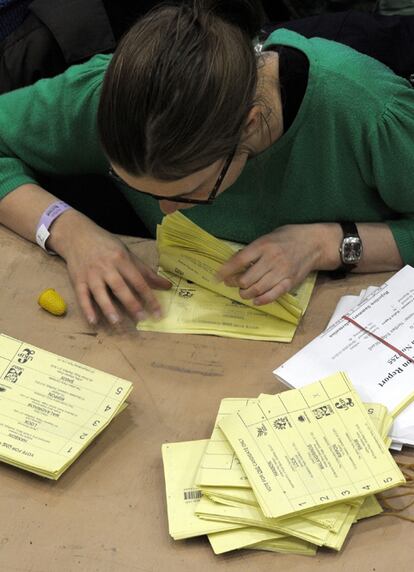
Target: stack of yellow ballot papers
{"points": [[287, 473], [198, 304], [51, 408]]}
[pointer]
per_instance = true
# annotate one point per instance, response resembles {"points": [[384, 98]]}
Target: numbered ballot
{"points": [[305, 448], [51, 407]]}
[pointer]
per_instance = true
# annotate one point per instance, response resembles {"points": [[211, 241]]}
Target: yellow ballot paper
{"points": [[192, 309], [181, 462], [51, 407], [286, 546], [208, 488], [220, 471], [370, 507], [305, 448], [297, 526], [219, 466], [227, 484], [259, 539], [195, 256], [233, 539]]}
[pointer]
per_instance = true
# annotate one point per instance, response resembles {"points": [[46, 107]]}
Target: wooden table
{"points": [[107, 513]]}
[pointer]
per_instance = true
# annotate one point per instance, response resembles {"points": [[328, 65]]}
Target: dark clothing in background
{"points": [[54, 35], [389, 39], [12, 14], [59, 33], [293, 80]]}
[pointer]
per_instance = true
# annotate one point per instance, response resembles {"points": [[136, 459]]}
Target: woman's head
{"points": [[179, 89]]}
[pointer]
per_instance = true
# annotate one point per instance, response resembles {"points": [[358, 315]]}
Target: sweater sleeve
{"points": [[392, 157], [50, 127]]}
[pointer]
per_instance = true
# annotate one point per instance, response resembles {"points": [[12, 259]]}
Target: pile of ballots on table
{"points": [[52, 407], [287, 473]]}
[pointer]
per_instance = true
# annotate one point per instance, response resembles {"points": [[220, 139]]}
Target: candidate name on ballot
{"points": [[374, 344], [51, 407]]}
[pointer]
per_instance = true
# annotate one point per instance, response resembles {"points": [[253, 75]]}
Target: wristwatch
{"points": [[350, 248]]}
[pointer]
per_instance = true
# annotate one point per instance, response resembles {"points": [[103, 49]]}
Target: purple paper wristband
{"points": [[52, 212]]}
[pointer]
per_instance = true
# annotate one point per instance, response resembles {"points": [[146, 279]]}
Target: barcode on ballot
{"points": [[192, 494]]}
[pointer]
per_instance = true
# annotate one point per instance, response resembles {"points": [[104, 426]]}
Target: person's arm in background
{"points": [[50, 127]]}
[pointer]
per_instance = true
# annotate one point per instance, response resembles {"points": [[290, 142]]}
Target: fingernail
{"points": [[113, 318], [140, 316], [91, 320], [157, 314]]}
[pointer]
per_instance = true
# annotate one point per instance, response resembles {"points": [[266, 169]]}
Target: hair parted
{"points": [[178, 89]]}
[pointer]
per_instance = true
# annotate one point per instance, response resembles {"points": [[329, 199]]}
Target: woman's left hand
{"points": [[276, 262]]}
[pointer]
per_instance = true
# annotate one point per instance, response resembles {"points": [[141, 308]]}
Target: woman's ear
{"points": [[253, 122]]}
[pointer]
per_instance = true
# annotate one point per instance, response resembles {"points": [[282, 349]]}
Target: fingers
{"points": [[263, 286], [157, 281], [105, 292], [257, 279], [237, 265], [274, 292], [260, 276], [103, 285], [151, 277], [85, 302], [105, 302], [137, 281]]}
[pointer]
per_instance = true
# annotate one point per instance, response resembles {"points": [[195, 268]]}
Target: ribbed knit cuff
{"points": [[11, 184]]}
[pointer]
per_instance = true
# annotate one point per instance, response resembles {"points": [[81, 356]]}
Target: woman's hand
{"points": [[103, 271], [276, 262]]}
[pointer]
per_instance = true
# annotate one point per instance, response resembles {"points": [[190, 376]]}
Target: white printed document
{"points": [[382, 369]]}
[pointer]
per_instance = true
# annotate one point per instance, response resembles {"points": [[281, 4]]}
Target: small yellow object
{"points": [[52, 302]]}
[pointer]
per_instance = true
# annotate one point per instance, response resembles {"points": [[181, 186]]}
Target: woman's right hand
{"points": [[104, 273]]}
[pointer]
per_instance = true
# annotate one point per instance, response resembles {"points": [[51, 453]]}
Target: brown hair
{"points": [[179, 87]]}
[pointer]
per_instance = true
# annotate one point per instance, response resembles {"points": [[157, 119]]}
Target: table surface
{"points": [[107, 513]]}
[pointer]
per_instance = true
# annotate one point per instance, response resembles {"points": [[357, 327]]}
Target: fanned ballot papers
{"points": [[285, 473], [51, 407], [198, 304]]}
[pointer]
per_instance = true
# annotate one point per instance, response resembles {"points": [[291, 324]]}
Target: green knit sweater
{"points": [[347, 156]]}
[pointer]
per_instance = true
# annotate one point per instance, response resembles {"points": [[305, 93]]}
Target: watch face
{"points": [[351, 250]]}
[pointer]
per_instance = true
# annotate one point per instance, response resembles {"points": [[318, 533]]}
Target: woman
{"points": [[292, 147]]}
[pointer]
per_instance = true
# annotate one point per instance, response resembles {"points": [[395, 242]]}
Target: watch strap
{"points": [[348, 229]]}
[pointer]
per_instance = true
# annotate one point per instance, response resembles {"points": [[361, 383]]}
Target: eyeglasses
{"points": [[182, 199]]}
